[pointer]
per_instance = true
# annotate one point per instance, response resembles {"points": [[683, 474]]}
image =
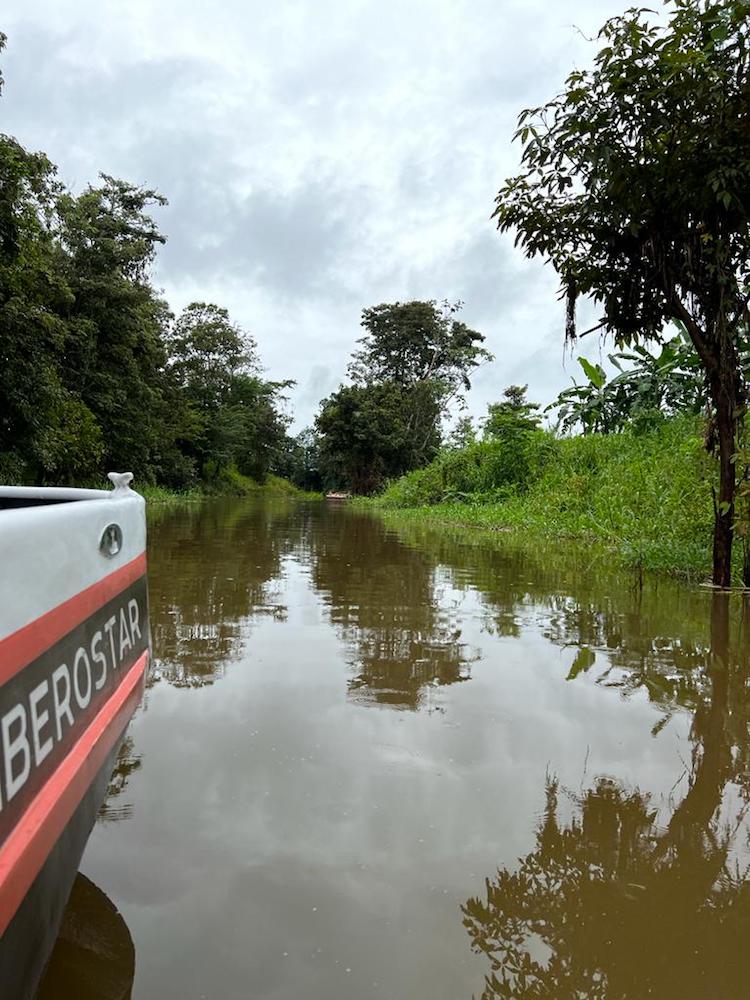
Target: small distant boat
{"points": [[74, 647], [338, 496]]}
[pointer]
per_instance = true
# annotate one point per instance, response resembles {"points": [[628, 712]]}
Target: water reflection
{"points": [[327, 848], [617, 902], [403, 634], [650, 636], [215, 566], [114, 809]]}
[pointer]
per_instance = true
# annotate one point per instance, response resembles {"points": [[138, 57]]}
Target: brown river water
{"points": [[399, 763]]}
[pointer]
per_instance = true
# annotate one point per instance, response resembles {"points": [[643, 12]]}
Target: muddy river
{"points": [[417, 764]]}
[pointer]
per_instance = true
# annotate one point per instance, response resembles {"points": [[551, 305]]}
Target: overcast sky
{"points": [[318, 157]]}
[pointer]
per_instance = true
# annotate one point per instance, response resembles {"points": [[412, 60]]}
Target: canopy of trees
{"points": [[95, 372], [636, 187]]}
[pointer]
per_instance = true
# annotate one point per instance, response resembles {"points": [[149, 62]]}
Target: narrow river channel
{"points": [[378, 762]]}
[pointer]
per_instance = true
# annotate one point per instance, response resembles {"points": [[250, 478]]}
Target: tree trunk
{"points": [[724, 519], [725, 405], [728, 398], [717, 351]]}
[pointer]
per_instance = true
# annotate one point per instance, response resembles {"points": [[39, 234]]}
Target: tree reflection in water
{"points": [[384, 597], [215, 566], [612, 904]]}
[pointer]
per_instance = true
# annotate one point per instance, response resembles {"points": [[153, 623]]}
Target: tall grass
{"points": [[646, 496]]}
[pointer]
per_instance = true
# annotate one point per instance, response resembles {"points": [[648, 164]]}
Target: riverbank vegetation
{"points": [[234, 484], [629, 465], [646, 496], [635, 187]]}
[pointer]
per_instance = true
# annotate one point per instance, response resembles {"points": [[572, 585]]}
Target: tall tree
{"points": [[231, 415], [255, 425], [423, 348], [636, 187], [93, 370], [414, 359], [46, 431], [208, 351], [115, 361], [412, 342]]}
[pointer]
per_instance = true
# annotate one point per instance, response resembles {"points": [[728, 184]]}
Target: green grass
{"points": [[160, 494], [231, 483], [646, 497], [276, 486]]}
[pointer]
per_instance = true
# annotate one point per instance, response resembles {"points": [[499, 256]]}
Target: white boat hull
{"points": [[74, 647]]}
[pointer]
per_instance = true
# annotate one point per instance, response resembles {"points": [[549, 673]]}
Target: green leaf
{"points": [[594, 373]]}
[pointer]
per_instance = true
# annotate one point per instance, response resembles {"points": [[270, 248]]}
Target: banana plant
{"points": [[646, 385], [594, 404]]}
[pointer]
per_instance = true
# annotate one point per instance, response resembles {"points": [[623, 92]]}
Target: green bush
{"points": [[647, 495], [485, 469]]}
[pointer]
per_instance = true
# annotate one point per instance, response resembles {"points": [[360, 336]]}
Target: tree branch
{"points": [[695, 332]]}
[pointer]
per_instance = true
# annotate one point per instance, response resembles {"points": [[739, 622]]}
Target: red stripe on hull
{"points": [[25, 850], [23, 646]]}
